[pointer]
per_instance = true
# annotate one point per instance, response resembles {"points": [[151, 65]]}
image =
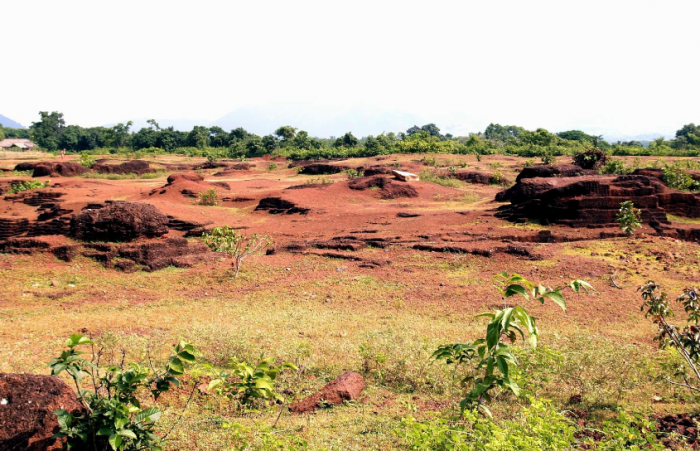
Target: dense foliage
{"points": [[52, 133]]}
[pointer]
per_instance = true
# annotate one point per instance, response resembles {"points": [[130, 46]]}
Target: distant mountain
{"points": [[7, 122], [319, 121]]}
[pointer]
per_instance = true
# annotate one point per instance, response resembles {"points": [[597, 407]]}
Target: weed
{"points": [[18, 187], [208, 198]]}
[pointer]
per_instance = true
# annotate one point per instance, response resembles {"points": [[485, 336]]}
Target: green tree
{"points": [[47, 132], [688, 136], [2, 132], [119, 134], [347, 140], [218, 137], [198, 137], [286, 133], [270, 143]]}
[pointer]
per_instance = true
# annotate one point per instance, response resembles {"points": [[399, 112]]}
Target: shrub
{"points": [[676, 178], [353, 173], [548, 158], [685, 340], [239, 247], [489, 358], [590, 158], [115, 417], [529, 163], [18, 187], [87, 160], [630, 218], [208, 198], [246, 383], [497, 178], [272, 166], [614, 166]]}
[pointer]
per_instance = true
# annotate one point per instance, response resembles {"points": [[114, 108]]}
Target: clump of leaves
{"points": [[548, 158], [489, 359], [614, 166], [115, 418], [685, 340], [237, 246], [497, 178], [272, 166], [677, 178], [590, 158], [630, 218], [87, 160], [246, 383], [18, 187], [208, 198], [529, 163], [353, 173]]}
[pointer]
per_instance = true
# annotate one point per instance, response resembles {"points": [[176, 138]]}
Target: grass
{"points": [[442, 180], [130, 176], [683, 220], [383, 325]]}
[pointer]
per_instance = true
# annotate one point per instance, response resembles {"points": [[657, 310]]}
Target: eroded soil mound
{"points": [[388, 189], [188, 184], [27, 421], [176, 252], [55, 169], [346, 387], [562, 170], [139, 167], [594, 201], [481, 178], [322, 169], [119, 221], [277, 205]]}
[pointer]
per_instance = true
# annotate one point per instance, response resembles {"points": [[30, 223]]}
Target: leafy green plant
{"points": [[497, 178], [353, 173], [685, 340], [272, 166], [237, 246], [18, 187], [614, 166], [677, 178], [529, 163], [246, 383], [208, 198], [115, 417], [590, 158], [541, 428], [630, 218], [548, 158], [87, 160], [489, 359]]}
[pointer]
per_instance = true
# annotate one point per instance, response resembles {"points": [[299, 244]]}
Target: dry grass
{"points": [[329, 316]]}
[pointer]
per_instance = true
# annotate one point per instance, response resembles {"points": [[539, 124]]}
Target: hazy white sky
{"points": [[622, 66]]}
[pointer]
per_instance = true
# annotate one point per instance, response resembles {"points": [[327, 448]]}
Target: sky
{"points": [[615, 66]]}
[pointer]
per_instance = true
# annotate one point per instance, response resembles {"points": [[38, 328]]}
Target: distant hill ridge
{"points": [[7, 122]]}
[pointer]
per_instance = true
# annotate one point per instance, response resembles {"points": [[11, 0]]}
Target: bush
{"points": [[87, 160], [271, 167], [115, 418], [225, 239], [614, 166], [209, 198], [590, 158], [676, 178], [18, 187]]}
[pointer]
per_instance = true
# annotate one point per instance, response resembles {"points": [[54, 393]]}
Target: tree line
{"points": [[52, 134]]}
